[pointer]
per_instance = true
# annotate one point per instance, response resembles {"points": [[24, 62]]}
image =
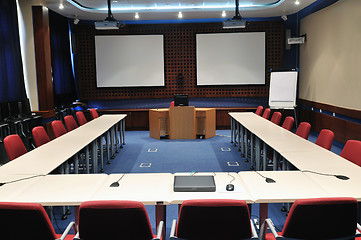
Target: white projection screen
{"points": [[129, 60], [231, 58]]}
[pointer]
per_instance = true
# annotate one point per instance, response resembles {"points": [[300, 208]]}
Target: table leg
{"points": [[160, 215], [76, 164], [238, 137], [258, 154], [76, 216], [252, 151], [275, 160], [120, 134], [123, 130], [232, 129], [263, 214], [116, 138], [95, 156], [264, 156], [112, 142], [242, 141], [87, 159], [246, 144], [100, 146]]}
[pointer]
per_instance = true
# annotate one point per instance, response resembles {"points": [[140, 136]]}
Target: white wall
{"points": [[330, 60], [25, 18]]}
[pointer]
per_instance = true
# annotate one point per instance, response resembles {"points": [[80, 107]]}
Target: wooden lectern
{"points": [[182, 122]]}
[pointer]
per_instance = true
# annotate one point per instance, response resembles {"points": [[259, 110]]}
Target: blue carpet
{"points": [[143, 154]]}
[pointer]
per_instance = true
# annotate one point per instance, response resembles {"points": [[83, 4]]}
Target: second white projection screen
{"points": [[231, 58], [129, 60]]}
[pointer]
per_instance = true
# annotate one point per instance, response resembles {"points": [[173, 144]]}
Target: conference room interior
{"points": [[57, 64]]}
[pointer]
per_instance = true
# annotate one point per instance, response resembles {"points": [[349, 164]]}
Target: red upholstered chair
{"points": [[303, 130], [115, 220], [14, 146], [81, 118], [70, 123], [172, 104], [325, 139], [213, 219], [319, 218], [352, 151], [288, 123], [266, 113], [40, 136], [28, 221], [259, 110], [276, 118], [93, 113], [58, 128]]}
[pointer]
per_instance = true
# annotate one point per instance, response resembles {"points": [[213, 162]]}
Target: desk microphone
{"points": [[268, 180], [21, 179], [116, 184], [342, 177]]}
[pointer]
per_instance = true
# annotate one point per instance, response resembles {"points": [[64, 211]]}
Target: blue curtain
{"points": [[63, 78], [12, 86]]}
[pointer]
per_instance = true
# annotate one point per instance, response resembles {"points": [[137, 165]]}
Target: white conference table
{"points": [[288, 187], [303, 154], [157, 188], [46, 158]]}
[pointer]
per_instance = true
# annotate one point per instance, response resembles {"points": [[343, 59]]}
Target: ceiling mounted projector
{"points": [[236, 21], [230, 23], [109, 23]]}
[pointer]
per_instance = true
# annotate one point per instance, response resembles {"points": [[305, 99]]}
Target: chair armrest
{"points": [[253, 229], [76, 237], [68, 228], [358, 230], [172, 230], [159, 231], [268, 222]]}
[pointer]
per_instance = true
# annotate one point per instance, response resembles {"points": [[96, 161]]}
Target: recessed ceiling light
{"points": [[61, 6], [297, 2], [136, 15], [224, 14], [180, 15]]}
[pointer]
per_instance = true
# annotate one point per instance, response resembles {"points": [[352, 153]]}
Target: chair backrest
{"points": [[352, 151], [303, 130], [321, 218], [214, 219], [93, 113], [276, 118], [266, 113], [58, 128], [114, 220], [25, 221], [259, 110], [81, 118], [70, 123], [40, 136], [172, 104], [14, 146], [325, 139], [288, 123]]}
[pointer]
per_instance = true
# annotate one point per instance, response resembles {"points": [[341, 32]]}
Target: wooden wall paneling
{"points": [[137, 119], [180, 57], [338, 110], [344, 130], [43, 57]]}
